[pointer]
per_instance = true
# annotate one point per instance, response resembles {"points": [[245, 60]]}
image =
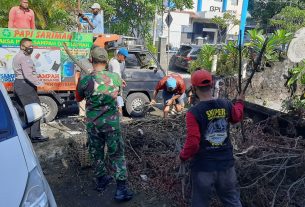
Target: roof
{"points": [[191, 13]]}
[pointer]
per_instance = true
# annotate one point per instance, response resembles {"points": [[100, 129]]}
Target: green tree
{"points": [[263, 10], [227, 56], [49, 14], [290, 19], [275, 41], [204, 59], [227, 22], [126, 17]]}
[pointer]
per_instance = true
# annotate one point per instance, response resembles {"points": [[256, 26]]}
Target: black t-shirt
{"points": [[216, 151]]}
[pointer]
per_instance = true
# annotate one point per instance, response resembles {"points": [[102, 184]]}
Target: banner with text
{"points": [[51, 61]]}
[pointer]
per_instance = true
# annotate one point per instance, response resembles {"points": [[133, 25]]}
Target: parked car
{"points": [[142, 74], [184, 56], [22, 180]]}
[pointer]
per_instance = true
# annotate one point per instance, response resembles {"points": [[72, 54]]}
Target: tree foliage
{"points": [[290, 19], [204, 59], [126, 17], [263, 10], [51, 15], [227, 55], [275, 41], [227, 22]]}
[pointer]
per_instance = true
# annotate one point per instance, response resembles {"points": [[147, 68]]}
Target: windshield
{"points": [[140, 60], [132, 61], [184, 50], [195, 51], [147, 60], [6, 124]]}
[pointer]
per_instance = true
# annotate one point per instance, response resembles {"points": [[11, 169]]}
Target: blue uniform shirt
{"points": [[98, 22]]}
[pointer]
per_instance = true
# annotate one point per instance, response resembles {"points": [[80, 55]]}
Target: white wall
{"points": [[237, 11], [210, 9], [179, 19]]}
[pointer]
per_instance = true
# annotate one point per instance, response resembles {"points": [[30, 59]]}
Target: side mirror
{"points": [[33, 113]]}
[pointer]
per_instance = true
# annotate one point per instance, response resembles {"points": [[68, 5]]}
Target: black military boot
{"points": [[122, 192], [102, 182]]}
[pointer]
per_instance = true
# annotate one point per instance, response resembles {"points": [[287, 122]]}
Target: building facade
{"points": [[189, 25]]}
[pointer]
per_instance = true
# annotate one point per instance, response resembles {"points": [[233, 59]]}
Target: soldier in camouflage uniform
{"points": [[100, 89]]}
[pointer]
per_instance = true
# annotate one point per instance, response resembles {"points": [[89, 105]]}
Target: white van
{"points": [[22, 182]]}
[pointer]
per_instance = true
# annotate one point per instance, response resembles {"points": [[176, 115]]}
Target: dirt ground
{"points": [[73, 186]]}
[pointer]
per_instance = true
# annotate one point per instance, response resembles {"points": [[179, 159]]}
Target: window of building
{"points": [[234, 2]]}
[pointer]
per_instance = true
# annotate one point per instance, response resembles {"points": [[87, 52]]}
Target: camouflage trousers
{"points": [[115, 152]]}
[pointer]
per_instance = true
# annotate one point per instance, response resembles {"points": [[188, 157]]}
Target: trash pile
{"points": [[270, 166], [152, 146]]}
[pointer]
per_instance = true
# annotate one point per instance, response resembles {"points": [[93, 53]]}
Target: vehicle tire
{"points": [[135, 104], [49, 107]]}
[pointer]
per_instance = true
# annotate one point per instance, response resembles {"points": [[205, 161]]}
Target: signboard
{"points": [[52, 64], [169, 4], [89, 15], [169, 20]]}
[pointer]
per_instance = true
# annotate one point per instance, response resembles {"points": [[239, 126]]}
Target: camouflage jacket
{"points": [[100, 91]]}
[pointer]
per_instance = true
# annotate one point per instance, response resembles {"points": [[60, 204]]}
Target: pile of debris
{"points": [[270, 166], [152, 146]]}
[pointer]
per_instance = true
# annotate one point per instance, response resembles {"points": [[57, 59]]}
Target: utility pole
{"points": [[243, 19], [79, 26], [168, 39], [155, 27], [168, 20]]}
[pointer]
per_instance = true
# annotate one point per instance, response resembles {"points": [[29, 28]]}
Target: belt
{"points": [[25, 81]]}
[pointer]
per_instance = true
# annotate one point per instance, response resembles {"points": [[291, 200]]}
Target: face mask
{"points": [[28, 50]]}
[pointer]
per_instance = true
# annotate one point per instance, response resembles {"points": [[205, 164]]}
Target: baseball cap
{"points": [[95, 6], [123, 51], [171, 83], [201, 78], [99, 54]]}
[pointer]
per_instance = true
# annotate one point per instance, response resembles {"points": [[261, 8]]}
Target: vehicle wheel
{"points": [[135, 104], [49, 107]]}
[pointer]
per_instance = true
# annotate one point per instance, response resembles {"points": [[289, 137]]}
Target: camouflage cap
{"points": [[99, 54]]}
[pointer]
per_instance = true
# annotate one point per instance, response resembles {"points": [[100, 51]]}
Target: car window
{"points": [[186, 52], [132, 61], [195, 51], [183, 49], [7, 129], [146, 60]]}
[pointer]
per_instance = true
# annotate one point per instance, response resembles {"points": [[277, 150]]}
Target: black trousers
{"points": [[26, 93]]}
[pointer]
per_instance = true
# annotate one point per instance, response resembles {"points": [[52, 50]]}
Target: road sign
{"points": [[169, 4], [169, 20], [89, 15]]}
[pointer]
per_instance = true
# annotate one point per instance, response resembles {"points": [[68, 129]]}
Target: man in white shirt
{"points": [[97, 23], [117, 65]]}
